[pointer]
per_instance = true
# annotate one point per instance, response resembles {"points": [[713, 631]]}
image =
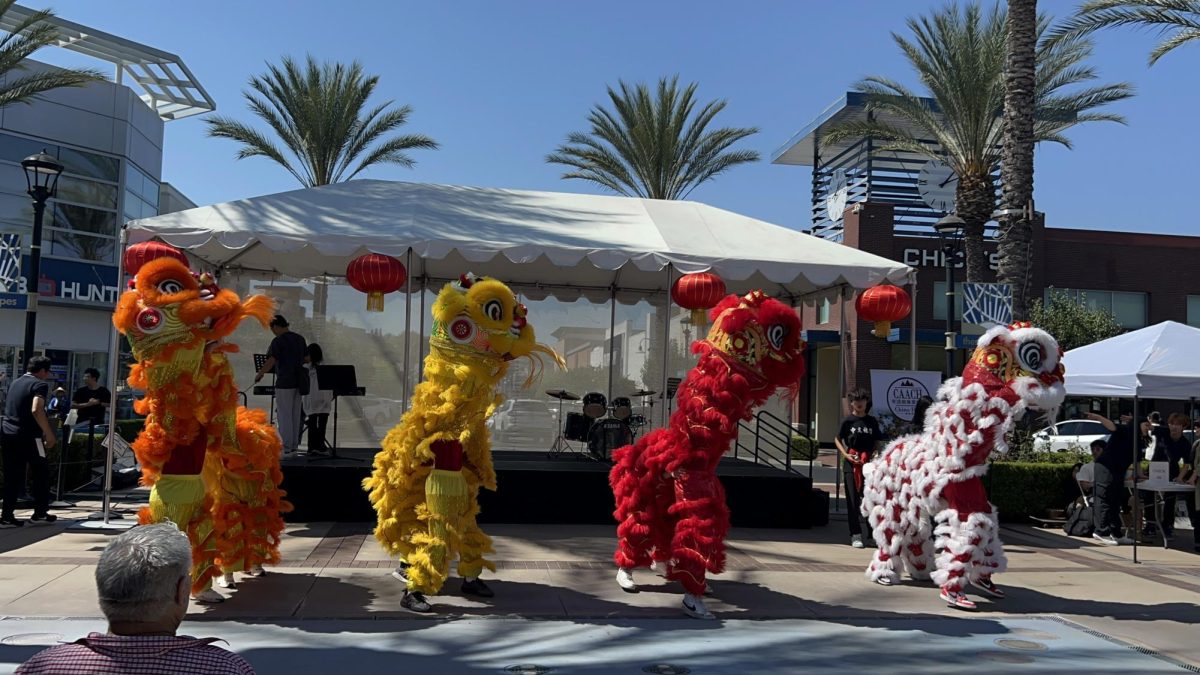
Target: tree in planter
{"points": [[959, 56], [1071, 321]]}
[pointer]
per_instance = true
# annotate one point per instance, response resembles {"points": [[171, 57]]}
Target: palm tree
{"points": [[652, 146], [1016, 166], [26, 38], [320, 114], [1177, 21], [959, 57]]}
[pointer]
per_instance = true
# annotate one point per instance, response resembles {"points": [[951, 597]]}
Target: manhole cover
{"points": [[527, 669], [1022, 645], [1033, 634], [666, 669], [32, 639], [1005, 657]]}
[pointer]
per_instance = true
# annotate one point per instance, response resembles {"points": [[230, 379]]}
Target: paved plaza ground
{"points": [[791, 601]]}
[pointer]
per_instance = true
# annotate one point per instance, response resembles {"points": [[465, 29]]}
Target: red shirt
{"points": [[101, 654]]}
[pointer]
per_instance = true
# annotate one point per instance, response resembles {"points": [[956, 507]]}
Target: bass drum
{"points": [[577, 427], [608, 435]]}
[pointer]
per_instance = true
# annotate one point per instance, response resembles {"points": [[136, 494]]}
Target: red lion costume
{"points": [[670, 505]]}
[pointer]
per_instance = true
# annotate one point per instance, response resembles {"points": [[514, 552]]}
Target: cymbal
{"points": [[644, 392], [562, 394]]}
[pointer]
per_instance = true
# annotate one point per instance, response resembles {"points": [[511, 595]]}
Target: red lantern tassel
{"points": [[374, 301], [882, 328]]}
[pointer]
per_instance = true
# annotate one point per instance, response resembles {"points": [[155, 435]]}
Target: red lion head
{"points": [[759, 335], [1020, 364]]}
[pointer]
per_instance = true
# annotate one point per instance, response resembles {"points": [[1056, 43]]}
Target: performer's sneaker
{"points": [[985, 584], [227, 581], [885, 581], [956, 598], [43, 519], [208, 597], [625, 580], [415, 601], [8, 523], [856, 541], [256, 570], [694, 607], [401, 572], [477, 588], [1106, 539]]}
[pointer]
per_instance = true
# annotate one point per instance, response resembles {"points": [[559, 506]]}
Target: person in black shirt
{"points": [[286, 356], [91, 401], [857, 440], [25, 435], [1172, 447], [1109, 485]]}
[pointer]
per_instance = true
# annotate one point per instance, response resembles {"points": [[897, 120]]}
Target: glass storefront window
{"points": [[142, 185], [1129, 309], [82, 246], [16, 208], [87, 192], [16, 148], [90, 164], [1193, 310], [939, 300], [83, 219]]}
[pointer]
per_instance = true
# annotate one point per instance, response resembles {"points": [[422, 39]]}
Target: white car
{"points": [[524, 422], [1074, 435]]}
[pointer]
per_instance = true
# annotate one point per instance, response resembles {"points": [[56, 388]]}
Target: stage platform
{"points": [[535, 488]]}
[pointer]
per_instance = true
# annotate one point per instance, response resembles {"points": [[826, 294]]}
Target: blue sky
{"points": [[500, 84]]}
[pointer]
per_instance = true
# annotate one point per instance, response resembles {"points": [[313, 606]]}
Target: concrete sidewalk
{"points": [[557, 579]]}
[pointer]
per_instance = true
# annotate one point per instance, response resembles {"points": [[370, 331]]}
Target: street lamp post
{"points": [[41, 179], [949, 229]]}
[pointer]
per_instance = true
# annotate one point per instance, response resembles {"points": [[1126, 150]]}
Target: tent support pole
{"points": [[114, 356], [837, 488], [421, 337], [1137, 469], [407, 327], [612, 334], [912, 324], [666, 343]]}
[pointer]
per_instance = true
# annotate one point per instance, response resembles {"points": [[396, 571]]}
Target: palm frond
{"points": [[1177, 22], [27, 37]]}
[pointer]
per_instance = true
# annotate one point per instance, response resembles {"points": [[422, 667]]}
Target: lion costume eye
{"points": [[149, 320], [170, 287], [1031, 356], [776, 334], [493, 310], [462, 330]]}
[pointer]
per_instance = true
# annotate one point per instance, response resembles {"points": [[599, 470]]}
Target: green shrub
{"points": [[129, 429], [1023, 489], [804, 447]]}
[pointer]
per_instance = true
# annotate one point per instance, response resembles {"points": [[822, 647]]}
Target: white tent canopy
{"points": [[567, 244], [1159, 361]]}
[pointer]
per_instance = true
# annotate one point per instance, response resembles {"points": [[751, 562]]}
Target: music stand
{"points": [[260, 360], [342, 381]]}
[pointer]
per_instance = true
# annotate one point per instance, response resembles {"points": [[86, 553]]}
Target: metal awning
{"points": [[165, 82]]}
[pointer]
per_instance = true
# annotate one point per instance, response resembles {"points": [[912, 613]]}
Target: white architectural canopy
{"points": [[1158, 361], [568, 245]]}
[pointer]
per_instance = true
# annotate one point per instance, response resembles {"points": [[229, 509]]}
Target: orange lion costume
{"points": [[214, 467]]}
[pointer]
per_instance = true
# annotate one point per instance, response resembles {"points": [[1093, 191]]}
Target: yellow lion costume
{"points": [[175, 321], [426, 481]]}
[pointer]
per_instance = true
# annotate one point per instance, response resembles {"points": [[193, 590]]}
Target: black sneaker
{"points": [[415, 601], [8, 523], [477, 588], [44, 519]]}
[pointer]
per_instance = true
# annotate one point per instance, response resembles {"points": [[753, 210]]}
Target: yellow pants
{"points": [[182, 500]]}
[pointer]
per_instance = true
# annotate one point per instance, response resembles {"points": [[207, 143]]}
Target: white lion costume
{"points": [[937, 473]]}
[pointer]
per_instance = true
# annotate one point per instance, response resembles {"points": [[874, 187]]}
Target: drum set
{"points": [[601, 427]]}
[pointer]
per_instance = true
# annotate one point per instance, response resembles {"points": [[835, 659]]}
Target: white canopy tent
{"points": [[568, 244], [1158, 361], [603, 248]]}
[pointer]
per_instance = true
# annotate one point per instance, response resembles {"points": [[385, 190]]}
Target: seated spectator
{"points": [[1086, 476], [143, 580]]}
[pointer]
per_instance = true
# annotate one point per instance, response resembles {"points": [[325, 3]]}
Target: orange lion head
{"points": [[170, 308]]}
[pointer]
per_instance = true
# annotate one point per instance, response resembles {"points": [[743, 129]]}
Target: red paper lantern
{"points": [[883, 305], [699, 292], [376, 274], [140, 254]]}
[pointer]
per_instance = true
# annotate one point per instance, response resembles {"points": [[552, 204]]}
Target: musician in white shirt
{"points": [[317, 403]]}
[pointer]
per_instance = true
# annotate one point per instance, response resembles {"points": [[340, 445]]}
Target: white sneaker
{"points": [[885, 581], [208, 597], [694, 607], [1106, 539], [856, 541], [401, 573], [256, 571], [227, 581], [625, 580]]}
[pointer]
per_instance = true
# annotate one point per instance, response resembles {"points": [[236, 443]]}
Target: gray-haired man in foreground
{"points": [[144, 584]]}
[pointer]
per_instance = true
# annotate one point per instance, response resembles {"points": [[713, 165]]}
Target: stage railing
{"points": [[772, 443]]}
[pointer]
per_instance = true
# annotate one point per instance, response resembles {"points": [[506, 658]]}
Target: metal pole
{"points": [[114, 365], [35, 269], [666, 346], [948, 251], [837, 488], [612, 335], [421, 337], [912, 324], [407, 327], [1137, 468]]}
